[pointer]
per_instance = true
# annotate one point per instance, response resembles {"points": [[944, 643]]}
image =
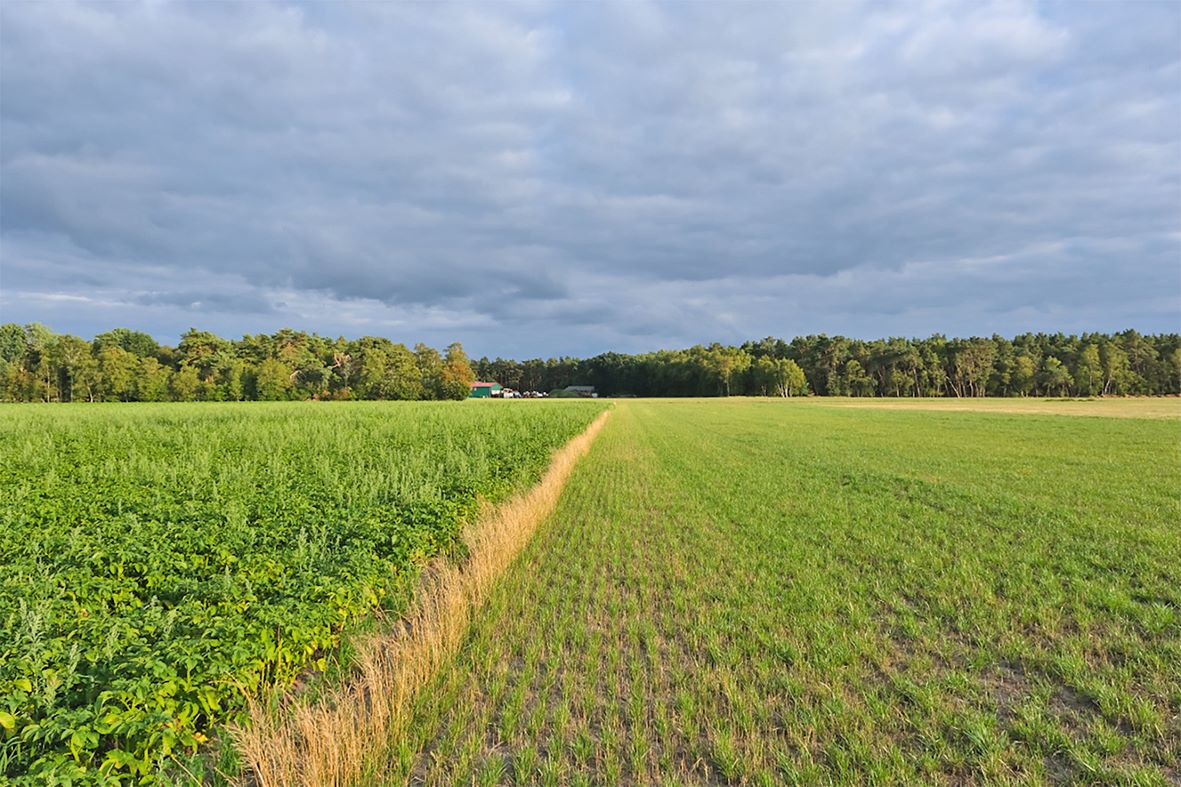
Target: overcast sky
{"points": [[541, 179]]}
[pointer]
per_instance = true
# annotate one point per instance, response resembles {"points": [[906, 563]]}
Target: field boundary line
{"points": [[333, 741]]}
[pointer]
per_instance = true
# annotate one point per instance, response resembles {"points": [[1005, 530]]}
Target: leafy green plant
{"points": [[158, 563]]}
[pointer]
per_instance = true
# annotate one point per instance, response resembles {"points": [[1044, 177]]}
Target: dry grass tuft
{"points": [[334, 740]]}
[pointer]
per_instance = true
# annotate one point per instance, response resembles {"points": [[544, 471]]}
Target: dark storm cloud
{"points": [[537, 178]]}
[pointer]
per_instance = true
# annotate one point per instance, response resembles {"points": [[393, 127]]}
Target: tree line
{"points": [[1091, 364], [38, 365]]}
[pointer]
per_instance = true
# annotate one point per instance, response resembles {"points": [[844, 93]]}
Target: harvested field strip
{"points": [[1110, 407], [333, 740], [756, 592]]}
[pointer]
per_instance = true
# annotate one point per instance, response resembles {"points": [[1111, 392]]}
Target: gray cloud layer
{"points": [[571, 178]]}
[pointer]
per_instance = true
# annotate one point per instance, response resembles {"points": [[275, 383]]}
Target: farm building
{"points": [[484, 390]]}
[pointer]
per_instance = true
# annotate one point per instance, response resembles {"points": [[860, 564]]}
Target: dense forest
{"points": [[1029, 365], [37, 365]]}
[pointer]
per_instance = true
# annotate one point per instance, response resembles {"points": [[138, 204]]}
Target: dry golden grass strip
{"points": [[332, 742], [1109, 406]]}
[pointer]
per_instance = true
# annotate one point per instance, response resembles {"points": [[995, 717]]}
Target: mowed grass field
{"points": [[159, 563], [776, 592]]}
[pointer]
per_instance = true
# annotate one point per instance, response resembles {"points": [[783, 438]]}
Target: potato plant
{"points": [[158, 563]]}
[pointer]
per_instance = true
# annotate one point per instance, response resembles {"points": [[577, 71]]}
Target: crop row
{"points": [[158, 563]]}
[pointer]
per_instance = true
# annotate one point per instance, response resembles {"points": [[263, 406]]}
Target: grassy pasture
{"points": [[157, 561], [775, 592]]}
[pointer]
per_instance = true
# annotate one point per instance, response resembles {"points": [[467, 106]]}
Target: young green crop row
{"points": [[160, 562], [750, 592]]}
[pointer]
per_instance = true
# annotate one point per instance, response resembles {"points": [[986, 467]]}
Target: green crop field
{"points": [[774, 592], [159, 561], [729, 591]]}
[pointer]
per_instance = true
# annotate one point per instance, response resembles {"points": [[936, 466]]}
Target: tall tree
{"points": [[1088, 371], [778, 377], [857, 382], [274, 380], [1055, 377], [430, 371], [12, 342], [457, 375], [1023, 375], [117, 369], [972, 361], [185, 384], [134, 342], [151, 381], [725, 365], [79, 377]]}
